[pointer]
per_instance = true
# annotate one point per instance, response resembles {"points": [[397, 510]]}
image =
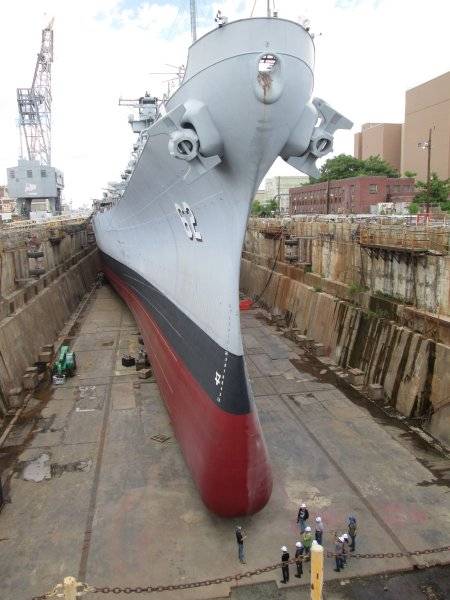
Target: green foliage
{"points": [[257, 207], [340, 167], [375, 165], [356, 288], [409, 174], [317, 289], [264, 210], [344, 166], [413, 208], [378, 313], [272, 206], [391, 297], [439, 191]]}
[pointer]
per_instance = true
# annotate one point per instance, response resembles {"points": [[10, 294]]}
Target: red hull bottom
{"points": [[226, 453]]}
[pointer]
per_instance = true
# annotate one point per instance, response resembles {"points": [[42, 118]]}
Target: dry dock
{"points": [[98, 487]]}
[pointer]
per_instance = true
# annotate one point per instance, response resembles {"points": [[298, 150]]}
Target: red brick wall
{"points": [[353, 195]]}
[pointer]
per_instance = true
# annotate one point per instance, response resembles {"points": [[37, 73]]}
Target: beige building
{"points": [[427, 107], [260, 197], [7, 204], [383, 139], [277, 188]]}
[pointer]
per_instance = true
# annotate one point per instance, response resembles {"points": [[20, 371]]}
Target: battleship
{"points": [[171, 234]]}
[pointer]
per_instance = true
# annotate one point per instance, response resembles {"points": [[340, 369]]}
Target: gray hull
{"points": [[174, 238]]}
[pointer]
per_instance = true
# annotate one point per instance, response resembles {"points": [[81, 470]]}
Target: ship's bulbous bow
{"points": [[172, 243]]}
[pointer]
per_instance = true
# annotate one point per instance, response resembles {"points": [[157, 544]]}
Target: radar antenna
{"points": [[35, 104]]}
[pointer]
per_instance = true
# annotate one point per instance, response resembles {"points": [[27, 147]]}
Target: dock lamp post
{"points": [[427, 146], [316, 571]]}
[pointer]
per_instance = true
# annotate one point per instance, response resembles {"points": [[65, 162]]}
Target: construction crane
{"points": [[34, 178], [35, 104]]}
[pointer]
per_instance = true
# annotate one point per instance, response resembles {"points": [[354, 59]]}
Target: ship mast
{"points": [[268, 8], [193, 20]]}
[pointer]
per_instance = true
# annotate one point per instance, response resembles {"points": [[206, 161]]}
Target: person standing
{"points": [[352, 532], [307, 540], [338, 554], [302, 517], [240, 537], [345, 547], [299, 559], [319, 530], [284, 564]]}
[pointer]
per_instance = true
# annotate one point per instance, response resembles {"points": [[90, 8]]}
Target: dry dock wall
{"points": [[34, 309], [413, 368]]}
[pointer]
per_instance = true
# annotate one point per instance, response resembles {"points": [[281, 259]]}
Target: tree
{"points": [[257, 207], [375, 165], [340, 167], [272, 206], [439, 191], [344, 166], [264, 210]]}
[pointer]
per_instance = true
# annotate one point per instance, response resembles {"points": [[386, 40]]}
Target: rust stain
{"points": [[265, 81]]}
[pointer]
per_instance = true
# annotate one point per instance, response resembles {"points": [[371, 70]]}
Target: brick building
{"points": [[355, 195]]}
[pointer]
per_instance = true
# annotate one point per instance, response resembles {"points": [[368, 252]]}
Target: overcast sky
{"points": [[369, 52]]}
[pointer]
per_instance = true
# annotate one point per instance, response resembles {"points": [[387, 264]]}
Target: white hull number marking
{"points": [[219, 378], [189, 221]]}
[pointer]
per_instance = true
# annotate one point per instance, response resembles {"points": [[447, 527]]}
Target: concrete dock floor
{"points": [[94, 496]]}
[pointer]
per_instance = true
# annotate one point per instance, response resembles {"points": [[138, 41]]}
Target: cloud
{"points": [[102, 52], [369, 53]]}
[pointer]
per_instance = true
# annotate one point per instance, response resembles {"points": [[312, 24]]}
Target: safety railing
{"points": [[418, 239]]}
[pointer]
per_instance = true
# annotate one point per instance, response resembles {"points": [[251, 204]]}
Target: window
{"points": [[373, 188], [12, 174], [29, 173], [43, 173]]}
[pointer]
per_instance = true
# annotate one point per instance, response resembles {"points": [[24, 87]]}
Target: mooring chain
{"points": [[58, 591]]}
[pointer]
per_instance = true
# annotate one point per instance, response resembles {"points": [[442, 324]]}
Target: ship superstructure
{"points": [[171, 237]]}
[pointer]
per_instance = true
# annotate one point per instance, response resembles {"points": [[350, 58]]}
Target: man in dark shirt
{"points": [[299, 559], [302, 517], [240, 537], [338, 549], [352, 532], [285, 564]]}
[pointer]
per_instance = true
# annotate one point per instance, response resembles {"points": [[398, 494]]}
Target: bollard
{"points": [[70, 588], [316, 571]]}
